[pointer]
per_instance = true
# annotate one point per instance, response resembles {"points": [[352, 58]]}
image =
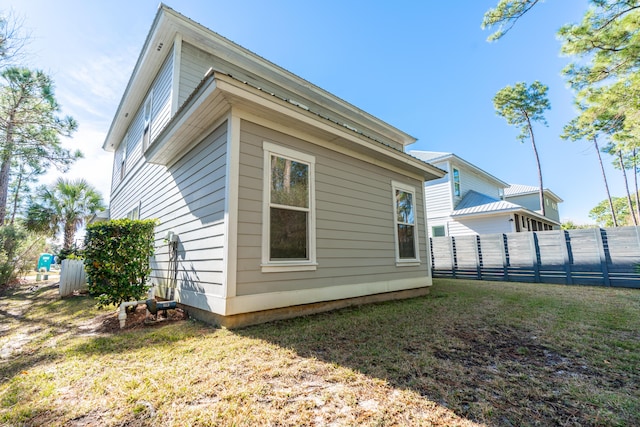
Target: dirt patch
{"points": [[108, 323]]}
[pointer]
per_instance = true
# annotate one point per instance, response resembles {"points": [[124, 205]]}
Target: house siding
{"points": [[354, 220], [488, 225], [472, 181], [189, 199], [160, 92], [194, 63]]}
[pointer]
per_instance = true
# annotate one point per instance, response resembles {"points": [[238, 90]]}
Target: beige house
{"points": [[274, 197]]}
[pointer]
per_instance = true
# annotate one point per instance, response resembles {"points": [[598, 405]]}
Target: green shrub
{"points": [[71, 253], [117, 259]]}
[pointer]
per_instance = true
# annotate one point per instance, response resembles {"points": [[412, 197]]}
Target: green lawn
{"points": [[469, 353]]}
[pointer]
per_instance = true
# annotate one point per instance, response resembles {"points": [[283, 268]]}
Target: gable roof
{"points": [[478, 204], [439, 156], [521, 190], [256, 71]]}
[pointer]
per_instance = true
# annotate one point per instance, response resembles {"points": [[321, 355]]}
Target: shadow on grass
{"points": [[484, 370]]}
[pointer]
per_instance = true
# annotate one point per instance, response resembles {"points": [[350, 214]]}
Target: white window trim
{"points": [[405, 262], [147, 121], [269, 266], [134, 210], [456, 180]]}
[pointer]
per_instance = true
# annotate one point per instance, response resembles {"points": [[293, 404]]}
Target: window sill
{"points": [[284, 267], [409, 263]]}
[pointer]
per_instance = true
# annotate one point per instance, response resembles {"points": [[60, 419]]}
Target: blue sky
{"points": [[422, 66]]}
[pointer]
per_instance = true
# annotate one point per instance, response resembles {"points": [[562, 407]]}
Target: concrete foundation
{"points": [[254, 318]]}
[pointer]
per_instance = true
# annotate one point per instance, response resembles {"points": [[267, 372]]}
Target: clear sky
{"points": [[422, 66]]}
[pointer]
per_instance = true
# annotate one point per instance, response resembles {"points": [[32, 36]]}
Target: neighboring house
{"points": [[469, 200], [529, 197], [274, 197]]}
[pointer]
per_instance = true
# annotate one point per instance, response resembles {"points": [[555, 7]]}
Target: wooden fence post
{"points": [[505, 258], [603, 256], [454, 263], [535, 255], [477, 253], [565, 247]]}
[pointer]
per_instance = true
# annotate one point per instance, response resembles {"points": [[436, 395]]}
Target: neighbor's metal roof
{"points": [[521, 189], [478, 203]]}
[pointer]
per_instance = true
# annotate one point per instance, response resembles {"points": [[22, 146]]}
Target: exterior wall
{"points": [[438, 195], [354, 217], [189, 199], [194, 63], [472, 181], [488, 225], [529, 201], [551, 209], [160, 94]]}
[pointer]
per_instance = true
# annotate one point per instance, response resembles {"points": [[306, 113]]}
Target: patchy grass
{"points": [[469, 353]]}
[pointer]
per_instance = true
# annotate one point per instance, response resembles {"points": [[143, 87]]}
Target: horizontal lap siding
{"points": [[354, 220], [160, 114], [194, 63], [187, 198]]}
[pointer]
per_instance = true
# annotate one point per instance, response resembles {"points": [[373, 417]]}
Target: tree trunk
{"points": [[69, 233], [16, 195], [606, 184], [535, 151], [5, 169], [626, 186], [635, 181]]}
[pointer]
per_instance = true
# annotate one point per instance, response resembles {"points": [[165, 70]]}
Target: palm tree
{"points": [[67, 205]]}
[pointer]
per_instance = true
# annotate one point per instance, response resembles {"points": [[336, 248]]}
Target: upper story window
{"points": [[146, 132], [406, 229], [123, 157], [288, 240], [456, 182]]}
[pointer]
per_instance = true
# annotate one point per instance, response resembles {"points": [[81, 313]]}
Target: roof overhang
{"points": [[218, 94], [518, 210], [169, 23]]}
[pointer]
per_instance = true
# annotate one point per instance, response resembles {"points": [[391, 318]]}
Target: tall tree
{"points": [[30, 128], [521, 105], [65, 206], [590, 125]]}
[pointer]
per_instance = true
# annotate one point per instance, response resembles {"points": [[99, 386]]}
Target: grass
{"points": [[469, 353]]}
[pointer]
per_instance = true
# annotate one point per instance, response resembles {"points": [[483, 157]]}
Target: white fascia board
{"points": [[244, 92]]}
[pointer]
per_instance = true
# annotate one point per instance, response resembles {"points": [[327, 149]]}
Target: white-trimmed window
{"points": [[406, 225], [146, 131], [123, 157], [134, 213], [456, 182], [288, 226]]}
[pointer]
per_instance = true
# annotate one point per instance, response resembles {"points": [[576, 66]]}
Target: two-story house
{"points": [[469, 200], [274, 197]]}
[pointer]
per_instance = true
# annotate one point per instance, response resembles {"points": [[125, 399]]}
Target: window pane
{"points": [[404, 207], [288, 234], [406, 245], [289, 182]]}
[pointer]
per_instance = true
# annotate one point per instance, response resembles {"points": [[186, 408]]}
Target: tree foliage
{"points": [[505, 15], [604, 72], [66, 206], [117, 256], [601, 213], [30, 128], [521, 106]]}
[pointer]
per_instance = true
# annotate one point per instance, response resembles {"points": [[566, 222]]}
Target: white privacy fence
{"points": [[72, 277]]}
